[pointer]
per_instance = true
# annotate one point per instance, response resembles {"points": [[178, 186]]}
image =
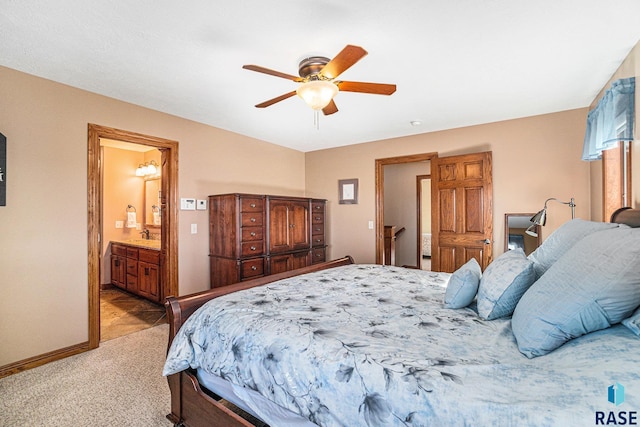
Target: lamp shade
{"points": [[317, 93], [540, 218], [151, 168], [532, 230]]}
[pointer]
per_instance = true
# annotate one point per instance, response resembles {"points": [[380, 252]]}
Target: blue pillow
{"points": [[633, 322], [562, 239], [503, 283], [593, 286], [463, 285]]}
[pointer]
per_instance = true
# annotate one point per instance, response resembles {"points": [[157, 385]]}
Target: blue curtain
{"points": [[612, 119]]}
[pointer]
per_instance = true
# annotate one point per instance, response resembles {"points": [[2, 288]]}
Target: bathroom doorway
{"points": [[168, 163]]}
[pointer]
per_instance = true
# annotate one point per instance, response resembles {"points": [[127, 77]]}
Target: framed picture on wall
{"points": [[348, 191]]}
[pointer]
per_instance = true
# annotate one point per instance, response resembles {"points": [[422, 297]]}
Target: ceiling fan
{"points": [[318, 84]]}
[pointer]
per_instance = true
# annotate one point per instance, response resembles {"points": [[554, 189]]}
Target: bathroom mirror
{"points": [[152, 203], [515, 225]]}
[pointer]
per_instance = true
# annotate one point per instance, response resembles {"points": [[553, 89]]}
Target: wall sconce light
{"points": [[147, 169], [541, 217]]}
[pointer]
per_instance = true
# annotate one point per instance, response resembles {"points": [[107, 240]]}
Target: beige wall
{"points": [[534, 158], [43, 228], [43, 249]]}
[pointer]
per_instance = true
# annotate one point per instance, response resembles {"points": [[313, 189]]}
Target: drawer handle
{"points": [[253, 205], [291, 225], [318, 240], [254, 268], [318, 255], [253, 220], [253, 248], [317, 228], [253, 234], [318, 207], [318, 218]]}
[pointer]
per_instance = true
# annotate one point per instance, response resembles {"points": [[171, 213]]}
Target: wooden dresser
{"points": [[253, 235]]}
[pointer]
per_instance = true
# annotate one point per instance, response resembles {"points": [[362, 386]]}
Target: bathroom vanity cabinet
{"points": [[136, 269]]}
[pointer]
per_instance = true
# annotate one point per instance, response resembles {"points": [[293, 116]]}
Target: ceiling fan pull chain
{"points": [[316, 119]]}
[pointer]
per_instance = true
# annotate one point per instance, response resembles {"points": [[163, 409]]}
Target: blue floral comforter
{"points": [[371, 345]]}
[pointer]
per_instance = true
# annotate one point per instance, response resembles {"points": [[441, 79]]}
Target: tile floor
{"points": [[122, 313]]}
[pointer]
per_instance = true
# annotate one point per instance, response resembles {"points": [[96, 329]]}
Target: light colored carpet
{"points": [[118, 384]]}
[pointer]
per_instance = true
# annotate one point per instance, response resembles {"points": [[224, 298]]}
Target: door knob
{"points": [[486, 241]]}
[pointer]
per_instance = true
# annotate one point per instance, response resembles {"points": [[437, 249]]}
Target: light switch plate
{"points": [[188, 204], [201, 205]]}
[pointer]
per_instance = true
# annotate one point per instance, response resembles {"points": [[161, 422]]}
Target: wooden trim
{"points": [[34, 362], [380, 164], [169, 228], [419, 179], [615, 183]]}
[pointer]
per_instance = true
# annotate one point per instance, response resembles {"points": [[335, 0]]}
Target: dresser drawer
{"points": [[318, 255], [317, 240], [132, 268], [252, 268], [132, 253], [152, 257], [250, 234], [252, 248], [317, 218], [317, 229], [118, 250], [251, 204], [251, 219], [317, 207]]}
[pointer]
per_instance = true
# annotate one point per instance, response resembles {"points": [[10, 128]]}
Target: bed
{"points": [[405, 347]]}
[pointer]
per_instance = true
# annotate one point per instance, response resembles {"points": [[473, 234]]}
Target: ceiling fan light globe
{"points": [[317, 94]]}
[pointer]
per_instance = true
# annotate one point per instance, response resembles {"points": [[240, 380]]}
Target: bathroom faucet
{"points": [[145, 233]]}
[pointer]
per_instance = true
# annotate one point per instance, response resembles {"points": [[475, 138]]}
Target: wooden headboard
{"points": [[628, 216]]}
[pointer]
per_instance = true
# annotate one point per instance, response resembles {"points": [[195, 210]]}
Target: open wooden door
{"points": [[462, 213]]}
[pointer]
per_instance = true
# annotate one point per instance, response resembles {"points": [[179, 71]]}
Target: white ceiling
{"points": [[455, 62]]}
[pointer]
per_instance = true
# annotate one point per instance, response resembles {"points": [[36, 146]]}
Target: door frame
{"points": [[419, 184], [380, 164], [169, 227]]}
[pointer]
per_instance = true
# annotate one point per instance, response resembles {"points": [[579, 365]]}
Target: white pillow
{"points": [[503, 283], [562, 239], [463, 285], [593, 286]]}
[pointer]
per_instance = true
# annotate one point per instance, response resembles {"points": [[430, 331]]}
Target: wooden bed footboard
{"points": [[190, 405]]}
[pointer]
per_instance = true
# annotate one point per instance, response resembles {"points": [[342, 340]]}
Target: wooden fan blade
{"points": [[277, 99], [260, 69], [342, 61], [330, 108], [375, 88]]}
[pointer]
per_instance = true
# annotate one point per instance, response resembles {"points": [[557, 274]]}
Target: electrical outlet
{"points": [[370, 225], [201, 205], [119, 224]]}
